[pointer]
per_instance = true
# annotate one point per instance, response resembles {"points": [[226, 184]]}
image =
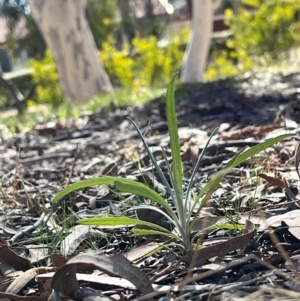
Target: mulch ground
{"points": [[38, 236]]}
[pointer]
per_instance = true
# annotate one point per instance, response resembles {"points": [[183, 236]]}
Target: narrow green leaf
{"points": [[145, 232], [236, 160], [143, 190], [147, 148], [172, 180], [182, 221], [196, 168], [228, 226], [210, 187], [174, 138], [105, 180], [119, 221]]}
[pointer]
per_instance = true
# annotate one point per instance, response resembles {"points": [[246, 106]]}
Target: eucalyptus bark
{"points": [[69, 38], [196, 53]]}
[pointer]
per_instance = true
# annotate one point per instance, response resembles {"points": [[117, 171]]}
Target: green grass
{"points": [[124, 97], [41, 112]]}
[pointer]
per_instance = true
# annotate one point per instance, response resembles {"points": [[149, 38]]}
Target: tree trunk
{"points": [[128, 23], [69, 38], [198, 46]]}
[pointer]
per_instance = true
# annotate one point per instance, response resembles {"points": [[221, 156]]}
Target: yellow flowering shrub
{"points": [[45, 77]]}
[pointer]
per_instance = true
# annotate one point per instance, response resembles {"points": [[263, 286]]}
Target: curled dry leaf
{"points": [[222, 248], [294, 226], [275, 221], [93, 278], [77, 236], [24, 279], [291, 219], [64, 280], [12, 259], [203, 223]]}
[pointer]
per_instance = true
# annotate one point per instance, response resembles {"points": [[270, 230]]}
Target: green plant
{"points": [[187, 203], [220, 65], [45, 77], [118, 64], [148, 65], [263, 28], [101, 16]]}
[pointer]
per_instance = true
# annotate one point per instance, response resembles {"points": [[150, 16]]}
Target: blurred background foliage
{"points": [[146, 63], [134, 56], [263, 33]]}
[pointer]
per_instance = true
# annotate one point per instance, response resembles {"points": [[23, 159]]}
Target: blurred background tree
{"points": [[67, 33], [17, 13], [131, 40], [101, 15]]}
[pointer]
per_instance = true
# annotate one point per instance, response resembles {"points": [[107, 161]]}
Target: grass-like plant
{"points": [[187, 204]]}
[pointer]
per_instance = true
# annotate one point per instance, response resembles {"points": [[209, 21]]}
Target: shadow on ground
{"points": [[251, 100]]}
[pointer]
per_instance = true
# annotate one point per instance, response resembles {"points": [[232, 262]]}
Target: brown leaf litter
{"points": [[44, 255]]}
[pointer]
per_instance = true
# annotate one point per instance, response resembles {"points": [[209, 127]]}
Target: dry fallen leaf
{"points": [[202, 223], [273, 181], [77, 236], [294, 226], [275, 221], [24, 279], [222, 248], [12, 259], [28, 203], [65, 282]]}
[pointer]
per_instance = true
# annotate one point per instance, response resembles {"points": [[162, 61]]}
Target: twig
{"points": [[27, 230], [73, 165], [230, 286], [234, 264], [231, 265]]}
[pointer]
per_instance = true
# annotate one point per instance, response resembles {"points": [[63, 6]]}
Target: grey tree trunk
{"points": [[69, 38], [196, 53]]}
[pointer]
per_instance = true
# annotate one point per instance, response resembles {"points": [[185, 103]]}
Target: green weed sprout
{"points": [[185, 205]]}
